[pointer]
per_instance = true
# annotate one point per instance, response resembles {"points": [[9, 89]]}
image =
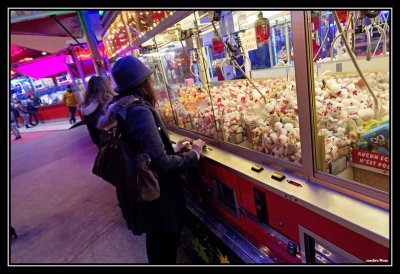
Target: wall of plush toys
{"points": [[236, 112]]}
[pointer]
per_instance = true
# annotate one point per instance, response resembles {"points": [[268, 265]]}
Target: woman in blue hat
{"points": [[143, 130]]}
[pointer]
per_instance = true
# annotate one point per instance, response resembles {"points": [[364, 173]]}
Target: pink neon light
{"points": [[16, 50], [44, 67]]}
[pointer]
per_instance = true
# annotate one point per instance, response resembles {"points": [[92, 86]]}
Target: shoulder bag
{"points": [[115, 164]]}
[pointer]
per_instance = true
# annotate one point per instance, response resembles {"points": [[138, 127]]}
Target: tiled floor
{"points": [[60, 124], [62, 213]]}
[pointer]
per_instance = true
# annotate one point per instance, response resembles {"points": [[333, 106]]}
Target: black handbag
{"points": [[117, 166]]}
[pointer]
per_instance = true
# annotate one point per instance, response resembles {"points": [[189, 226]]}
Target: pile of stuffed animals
{"points": [[346, 113]]}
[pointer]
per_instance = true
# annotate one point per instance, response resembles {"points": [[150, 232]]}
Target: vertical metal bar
{"points": [[165, 80], [108, 66], [274, 45], [92, 42], [271, 60], [305, 87], [287, 43], [207, 75]]}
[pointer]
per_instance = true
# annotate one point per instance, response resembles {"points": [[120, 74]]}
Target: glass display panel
{"points": [[153, 61], [352, 107], [185, 72], [257, 112]]}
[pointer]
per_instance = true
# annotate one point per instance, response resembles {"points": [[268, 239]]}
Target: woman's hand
{"points": [[184, 143], [198, 146]]}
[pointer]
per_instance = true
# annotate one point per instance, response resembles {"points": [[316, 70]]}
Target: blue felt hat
{"points": [[129, 71]]}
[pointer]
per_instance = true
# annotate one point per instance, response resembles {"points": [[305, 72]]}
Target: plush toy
{"points": [[376, 139], [329, 105], [274, 137], [328, 160], [366, 115]]}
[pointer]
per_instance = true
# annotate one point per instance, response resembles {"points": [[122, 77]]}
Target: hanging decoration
{"points": [[342, 14], [217, 44], [315, 20], [263, 30]]}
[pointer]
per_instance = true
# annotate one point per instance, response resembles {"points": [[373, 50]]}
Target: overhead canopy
{"points": [[43, 67], [50, 44], [38, 30], [48, 26]]}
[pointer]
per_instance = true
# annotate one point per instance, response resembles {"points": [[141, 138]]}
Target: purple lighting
{"points": [[43, 67]]}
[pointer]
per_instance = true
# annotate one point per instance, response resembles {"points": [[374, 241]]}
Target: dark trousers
{"points": [[72, 110], [162, 247], [32, 113], [16, 115]]}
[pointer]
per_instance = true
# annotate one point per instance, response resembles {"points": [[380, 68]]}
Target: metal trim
{"points": [[352, 186], [37, 16], [304, 89], [254, 156], [269, 229], [169, 21], [342, 252]]}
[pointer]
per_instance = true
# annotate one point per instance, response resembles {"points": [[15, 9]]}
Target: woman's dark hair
{"points": [[98, 88], [144, 90]]}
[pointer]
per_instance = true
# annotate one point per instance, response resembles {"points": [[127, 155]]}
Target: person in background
{"points": [[31, 110], [13, 126], [23, 112], [142, 129], [15, 112], [37, 101], [98, 93], [70, 99]]}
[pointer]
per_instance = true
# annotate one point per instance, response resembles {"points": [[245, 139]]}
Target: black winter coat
{"points": [[91, 114], [142, 128]]}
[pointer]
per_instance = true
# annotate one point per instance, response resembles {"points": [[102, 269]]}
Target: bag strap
{"points": [[129, 101]]}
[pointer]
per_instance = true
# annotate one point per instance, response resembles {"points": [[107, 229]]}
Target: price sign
{"points": [[248, 39]]}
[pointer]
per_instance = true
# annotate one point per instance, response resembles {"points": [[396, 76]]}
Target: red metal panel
{"points": [[88, 67], [208, 170], [52, 112], [261, 238], [282, 214], [350, 241], [229, 178], [292, 215], [285, 216], [246, 190]]}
